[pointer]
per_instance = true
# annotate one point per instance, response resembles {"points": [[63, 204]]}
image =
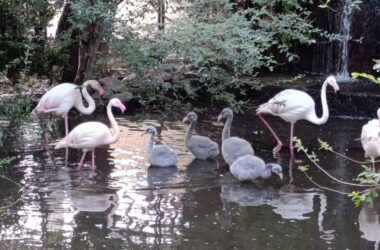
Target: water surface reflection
{"points": [[127, 204]]}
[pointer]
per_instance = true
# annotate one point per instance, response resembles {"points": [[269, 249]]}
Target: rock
{"points": [[125, 96], [167, 85], [129, 78], [176, 79], [191, 74], [172, 59], [165, 77], [4, 80], [111, 86]]}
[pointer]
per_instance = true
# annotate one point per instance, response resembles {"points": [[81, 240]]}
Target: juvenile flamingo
{"points": [[232, 147], [201, 147], [159, 155], [89, 135], [293, 105], [251, 168], [63, 97]]}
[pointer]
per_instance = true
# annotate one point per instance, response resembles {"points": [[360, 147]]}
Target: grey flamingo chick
{"points": [[201, 147], [232, 147], [159, 155], [251, 168]]}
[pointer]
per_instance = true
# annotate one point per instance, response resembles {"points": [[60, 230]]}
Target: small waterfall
{"points": [[345, 27]]}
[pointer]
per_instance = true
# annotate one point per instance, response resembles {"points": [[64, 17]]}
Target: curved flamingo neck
{"points": [[267, 172], [149, 147], [116, 130], [227, 129], [189, 132], [91, 103], [325, 109]]}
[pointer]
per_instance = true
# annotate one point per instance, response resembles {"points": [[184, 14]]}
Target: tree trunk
{"points": [[161, 14], [83, 53], [87, 54], [68, 73]]}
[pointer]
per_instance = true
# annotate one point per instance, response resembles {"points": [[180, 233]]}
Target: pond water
{"points": [[126, 204]]}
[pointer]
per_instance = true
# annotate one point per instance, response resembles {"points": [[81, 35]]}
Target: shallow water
{"points": [[126, 204]]}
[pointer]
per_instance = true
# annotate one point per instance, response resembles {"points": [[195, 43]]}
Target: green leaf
{"points": [[324, 145]]}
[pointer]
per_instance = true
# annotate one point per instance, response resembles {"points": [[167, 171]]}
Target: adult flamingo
{"points": [[88, 135], [63, 97], [370, 139], [293, 105]]}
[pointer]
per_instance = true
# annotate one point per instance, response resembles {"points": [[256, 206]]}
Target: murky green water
{"points": [[128, 205]]}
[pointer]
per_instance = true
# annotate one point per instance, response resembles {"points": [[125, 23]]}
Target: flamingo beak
{"points": [[185, 120], [281, 176], [336, 88], [220, 117], [100, 90], [122, 108]]}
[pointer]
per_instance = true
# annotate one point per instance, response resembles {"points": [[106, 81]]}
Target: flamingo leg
{"points": [[81, 160], [373, 164], [66, 125], [46, 137], [93, 159], [291, 147], [279, 142]]}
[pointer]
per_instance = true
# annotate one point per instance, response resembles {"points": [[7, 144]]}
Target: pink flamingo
{"points": [[370, 138], [63, 97], [293, 105], [88, 135]]}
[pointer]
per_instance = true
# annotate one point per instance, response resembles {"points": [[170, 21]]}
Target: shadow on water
{"points": [[128, 204]]}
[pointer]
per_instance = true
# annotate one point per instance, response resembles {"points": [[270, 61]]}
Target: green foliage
{"points": [[366, 179], [7, 161], [363, 197], [353, 3], [15, 109], [22, 34], [370, 77], [217, 33], [92, 16], [303, 168], [324, 145], [135, 54]]}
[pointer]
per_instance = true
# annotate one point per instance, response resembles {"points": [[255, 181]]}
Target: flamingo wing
{"points": [[88, 135], [60, 99], [289, 104]]}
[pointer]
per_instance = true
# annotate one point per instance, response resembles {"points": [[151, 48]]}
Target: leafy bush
{"points": [[219, 33], [370, 77], [15, 109], [22, 34]]}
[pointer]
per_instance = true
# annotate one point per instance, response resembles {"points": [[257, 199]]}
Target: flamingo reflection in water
{"points": [[290, 202], [369, 222]]}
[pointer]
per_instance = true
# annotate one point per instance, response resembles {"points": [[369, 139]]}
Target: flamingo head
{"points": [[190, 117], [151, 130], [226, 113], [331, 80], [115, 102], [276, 169], [96, 86]]}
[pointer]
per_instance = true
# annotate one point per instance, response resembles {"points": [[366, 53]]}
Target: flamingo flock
{"points": [[290, 105]]}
